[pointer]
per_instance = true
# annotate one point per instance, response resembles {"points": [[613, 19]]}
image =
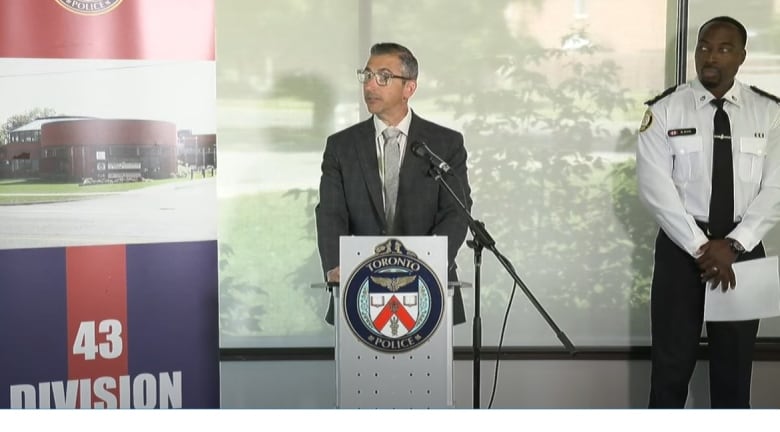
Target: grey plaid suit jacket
{"points": [[351, 192]]}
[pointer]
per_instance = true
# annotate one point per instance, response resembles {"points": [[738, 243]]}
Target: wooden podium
{"points": [[393, 323]]}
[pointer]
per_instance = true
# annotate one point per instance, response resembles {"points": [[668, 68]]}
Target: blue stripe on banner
{"points": [[173, 317], [33, 322]]}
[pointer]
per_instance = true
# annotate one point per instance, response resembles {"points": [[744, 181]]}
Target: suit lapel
{"points": [[410, 160], [366, 150]]}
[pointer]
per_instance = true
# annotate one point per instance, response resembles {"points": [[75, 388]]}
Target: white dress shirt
{"points": [[674, 163]]}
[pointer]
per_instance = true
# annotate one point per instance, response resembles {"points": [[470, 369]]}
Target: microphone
{"points": [[421, 149]]}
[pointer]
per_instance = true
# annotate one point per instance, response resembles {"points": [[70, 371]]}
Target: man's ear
{"points": [[409, 88]]}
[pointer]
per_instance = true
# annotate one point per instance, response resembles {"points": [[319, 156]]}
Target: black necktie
{"points": [[722, 198]]}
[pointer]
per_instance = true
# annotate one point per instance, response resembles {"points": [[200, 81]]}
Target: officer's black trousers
{"points": [[676, 314]]}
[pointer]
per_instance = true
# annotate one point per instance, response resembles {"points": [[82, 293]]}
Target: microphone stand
{"points": [[481, 239]]}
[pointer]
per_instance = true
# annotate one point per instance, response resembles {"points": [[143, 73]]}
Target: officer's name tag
{"points": [[681, 132]]}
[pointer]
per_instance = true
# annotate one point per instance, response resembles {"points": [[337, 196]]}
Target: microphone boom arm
{"points": [[482, 238]]}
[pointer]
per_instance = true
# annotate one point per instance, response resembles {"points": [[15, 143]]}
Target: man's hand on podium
{"points": [[334, 274]]}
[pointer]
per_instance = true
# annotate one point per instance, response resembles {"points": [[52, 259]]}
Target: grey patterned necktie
{"points": [[392, 164]]}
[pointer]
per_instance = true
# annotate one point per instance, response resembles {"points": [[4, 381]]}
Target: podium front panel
{"points": [[394, 323]]}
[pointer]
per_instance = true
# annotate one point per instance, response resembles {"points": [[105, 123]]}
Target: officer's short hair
{"points": [[728, 20]]}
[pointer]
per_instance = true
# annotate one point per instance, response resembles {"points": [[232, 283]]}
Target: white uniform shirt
{"points": [[674, 163]]}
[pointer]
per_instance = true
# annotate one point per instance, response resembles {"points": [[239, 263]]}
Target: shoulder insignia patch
{"points": [[665, 93], [647, 120], [765, 94]]}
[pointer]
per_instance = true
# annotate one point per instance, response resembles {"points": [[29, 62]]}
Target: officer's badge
{"points": [[647, 120], [393, 301]]}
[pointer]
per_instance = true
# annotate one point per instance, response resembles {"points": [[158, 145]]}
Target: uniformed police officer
{"points": [[676, 164]]}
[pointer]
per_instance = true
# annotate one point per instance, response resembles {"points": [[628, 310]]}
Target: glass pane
{"points": [[548, 95]]}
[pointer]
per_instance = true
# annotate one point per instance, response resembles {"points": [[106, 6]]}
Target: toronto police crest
{"points": [[89, 7], [393, 301]]}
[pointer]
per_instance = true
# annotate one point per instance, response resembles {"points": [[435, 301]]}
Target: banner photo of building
{"points": [[108, 246]]}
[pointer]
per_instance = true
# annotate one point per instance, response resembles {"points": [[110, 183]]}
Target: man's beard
{"points": [[709, 84], [710, 80]]}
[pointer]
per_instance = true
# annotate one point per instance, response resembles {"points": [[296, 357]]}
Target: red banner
{"points": [[97, 312], [107, 29]]}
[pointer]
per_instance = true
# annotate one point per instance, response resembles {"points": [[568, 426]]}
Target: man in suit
{"points": [[353, 187]]}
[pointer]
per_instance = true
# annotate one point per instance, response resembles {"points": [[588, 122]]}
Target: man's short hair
{"points": [[728, 20], [408, 61]]}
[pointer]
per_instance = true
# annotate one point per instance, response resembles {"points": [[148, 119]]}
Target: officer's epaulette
{"points": [[765, 94], [666, 93]]}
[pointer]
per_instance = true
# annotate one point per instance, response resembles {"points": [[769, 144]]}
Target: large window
{"points": [[549, 104]]}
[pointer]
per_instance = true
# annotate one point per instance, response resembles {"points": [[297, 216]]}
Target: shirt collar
{"points": [[704, 97], [403, 125]]}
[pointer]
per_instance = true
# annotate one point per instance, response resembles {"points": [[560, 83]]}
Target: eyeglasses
{"points": [[382, 78]]}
